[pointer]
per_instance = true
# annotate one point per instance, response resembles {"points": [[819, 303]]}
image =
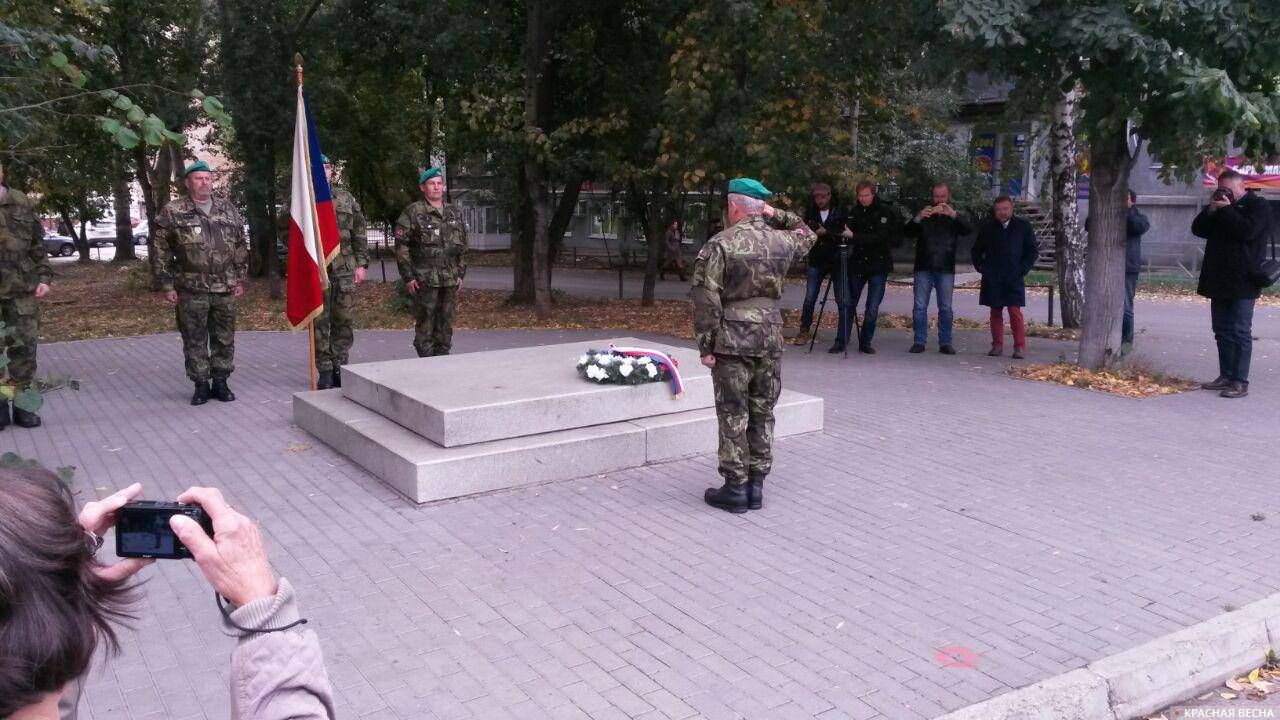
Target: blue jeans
{"points": [[812, 288], [875, 293], [1233, 331], [943, 284], [1130, 289]]}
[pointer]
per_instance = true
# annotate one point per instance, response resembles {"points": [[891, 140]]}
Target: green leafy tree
{"points": [[1213, 65]]}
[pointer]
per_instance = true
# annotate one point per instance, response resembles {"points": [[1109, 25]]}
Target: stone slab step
{"points": [[456, 400], [424, 471]]}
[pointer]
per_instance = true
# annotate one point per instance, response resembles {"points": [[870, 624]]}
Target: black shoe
{"points": [[25, 418], [324, 380], [337, 377], [201, 395], [1237, 390], [1017, 354], [916, 348], [947, 350], [1222, 383], [755, 494], [728, 497], [866, 350], [221, 392], [996, 351], [836, 349], [4, 414]]}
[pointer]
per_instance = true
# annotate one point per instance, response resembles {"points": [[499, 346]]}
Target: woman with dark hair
{"points": [[58, 602]]}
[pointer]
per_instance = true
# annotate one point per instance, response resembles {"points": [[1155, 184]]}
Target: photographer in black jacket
{"points": [[827, 221], [870, 229], [937, 228], [1235, 226]]}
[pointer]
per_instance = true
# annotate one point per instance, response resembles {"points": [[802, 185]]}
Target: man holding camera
{"points": [[869, 229], [937, 229], [827, 222], [1235, 226], [737, 282]]}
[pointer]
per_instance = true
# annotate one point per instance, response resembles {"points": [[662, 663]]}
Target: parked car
{"points": [[102, 233], [58, 245]]}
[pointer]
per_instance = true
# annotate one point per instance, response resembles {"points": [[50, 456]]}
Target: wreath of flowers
{"points": [[609, 367]]}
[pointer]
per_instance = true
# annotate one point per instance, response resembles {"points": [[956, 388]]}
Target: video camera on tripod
{"points": [[841, 275]]}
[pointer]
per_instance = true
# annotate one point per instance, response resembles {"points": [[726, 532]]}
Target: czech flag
{"points": [[313, 226]]}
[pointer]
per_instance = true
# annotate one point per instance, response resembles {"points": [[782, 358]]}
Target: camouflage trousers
{"points": [[21, 320], [207, 322], [434, 309], [746, 390], [334, 335]]}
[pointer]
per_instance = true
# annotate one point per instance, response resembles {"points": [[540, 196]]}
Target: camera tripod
{"points": [[841, 275]]}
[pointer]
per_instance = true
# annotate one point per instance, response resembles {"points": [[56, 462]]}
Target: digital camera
{"points": [[142, 529], [1223, 193]]}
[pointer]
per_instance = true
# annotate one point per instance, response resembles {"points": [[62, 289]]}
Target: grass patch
{"points": [[1129, 379]]}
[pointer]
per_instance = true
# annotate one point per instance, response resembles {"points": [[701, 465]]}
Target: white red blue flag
{"points": [[313, 226]]}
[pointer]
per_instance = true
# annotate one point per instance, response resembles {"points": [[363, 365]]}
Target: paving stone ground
{"points": [[946, 512]]}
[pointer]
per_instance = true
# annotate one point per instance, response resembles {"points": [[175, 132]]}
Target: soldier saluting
{"points": [[200, 261], [24, 276], [737, 282], [431, 254]]}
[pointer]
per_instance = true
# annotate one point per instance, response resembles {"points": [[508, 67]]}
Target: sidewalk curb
{"points": [[1137, 682]]}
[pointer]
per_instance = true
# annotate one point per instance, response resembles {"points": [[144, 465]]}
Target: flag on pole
{"points": [[313, 226]]}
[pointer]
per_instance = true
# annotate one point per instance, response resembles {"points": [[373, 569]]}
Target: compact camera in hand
{"points": [[1223, 193], [142, 529]]}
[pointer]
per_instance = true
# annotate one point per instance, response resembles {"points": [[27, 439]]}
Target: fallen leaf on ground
{"points": [[1133, 381], [298, 447]]}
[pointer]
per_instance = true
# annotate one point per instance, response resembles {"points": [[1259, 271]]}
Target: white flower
{"points": [[595, 373], [625, 368], [604, 359], [644, 360], [584, 359], [653, 370]]}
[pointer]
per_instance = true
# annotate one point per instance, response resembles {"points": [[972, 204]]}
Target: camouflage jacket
{"points": [[197, 252], [738, 279], [354, 251], [23, 261], [431, 245]]}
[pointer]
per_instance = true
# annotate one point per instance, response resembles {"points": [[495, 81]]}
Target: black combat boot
{"points": [[221, 392], [729, 497], [4, 414], [755, 493], [201, 395], [337, 377], [25, 418], [324, 380]]}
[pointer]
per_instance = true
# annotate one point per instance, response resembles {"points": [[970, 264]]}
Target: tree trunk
{"points": [[77, 239], [560, 220], [536, 110], [1068, 236], [120, 200], [522, 243], [1111, 163]]}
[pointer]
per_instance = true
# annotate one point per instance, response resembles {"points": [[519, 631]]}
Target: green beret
{"points": [[196, 167], [428, 174], [324, 159], [749, 187]]}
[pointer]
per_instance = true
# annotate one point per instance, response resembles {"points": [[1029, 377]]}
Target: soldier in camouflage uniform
{"points": [[334, 334], [431, 253], [737, 282], [24, 276], [200, 261]]}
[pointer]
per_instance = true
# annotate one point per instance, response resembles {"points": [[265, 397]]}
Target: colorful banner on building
{"points": [[1255, 176], [984, 154]]}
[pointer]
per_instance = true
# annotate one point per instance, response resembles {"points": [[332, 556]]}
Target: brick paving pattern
{"points": [[1025, 529]]}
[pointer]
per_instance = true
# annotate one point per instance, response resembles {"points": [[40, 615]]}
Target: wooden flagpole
{"points": [[311, 324]]}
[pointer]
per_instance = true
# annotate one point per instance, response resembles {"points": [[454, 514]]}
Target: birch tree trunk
{"points": [[1068, 235]]}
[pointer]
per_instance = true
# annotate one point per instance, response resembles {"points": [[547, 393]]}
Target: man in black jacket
{"points": [[1235, 227], [1136, 225], [827, 221], [1004, 252], [869, 228], [937, 228]]}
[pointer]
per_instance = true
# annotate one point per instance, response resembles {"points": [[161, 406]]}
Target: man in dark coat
{"points": [[869, 228], [1235, 226], [672, 254], [1136, 225], [826, 220], [937, 228], [1004, 253]]}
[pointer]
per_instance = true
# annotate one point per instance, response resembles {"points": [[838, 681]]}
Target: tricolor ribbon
{"points": [[677, 385]]}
